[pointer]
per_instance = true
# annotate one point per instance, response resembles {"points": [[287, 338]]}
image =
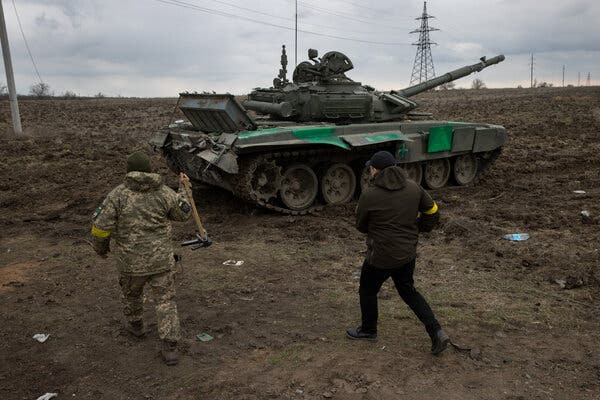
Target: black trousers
{"points": [[371, 279]]}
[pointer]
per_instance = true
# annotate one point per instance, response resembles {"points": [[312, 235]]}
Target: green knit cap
{"points": [[138, 161]]}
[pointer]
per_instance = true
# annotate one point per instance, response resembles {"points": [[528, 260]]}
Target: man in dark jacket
{"points": [[388, 212]]}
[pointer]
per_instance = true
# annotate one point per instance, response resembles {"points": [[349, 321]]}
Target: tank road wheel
{"points": [[299, 187], [414, 172], [338, 184], [465, 169], [266, 181], [437, 173]]}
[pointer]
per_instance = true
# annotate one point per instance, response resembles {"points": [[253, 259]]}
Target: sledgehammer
{"points": [[202, 239]]}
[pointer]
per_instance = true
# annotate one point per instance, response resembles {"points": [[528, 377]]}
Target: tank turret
{"points": [[320, 91]]}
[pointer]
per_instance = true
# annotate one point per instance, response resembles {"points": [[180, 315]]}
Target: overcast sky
{"points": [[157, 48]]}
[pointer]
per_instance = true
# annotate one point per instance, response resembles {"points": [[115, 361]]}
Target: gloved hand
{"points": [[426, 222], [101, 246]]}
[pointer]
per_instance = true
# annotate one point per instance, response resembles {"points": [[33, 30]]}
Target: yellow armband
{"points": [[432, 210], [100, 233]]}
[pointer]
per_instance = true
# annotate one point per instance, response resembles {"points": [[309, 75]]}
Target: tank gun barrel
{"points": [[448, 77], [283, 109]]}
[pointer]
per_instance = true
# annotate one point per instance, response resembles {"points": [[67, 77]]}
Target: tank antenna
{"points": [[423, 67], [283, 70]]}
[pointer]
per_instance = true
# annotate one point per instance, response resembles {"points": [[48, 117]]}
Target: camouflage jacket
{"points": [[137, 217]]}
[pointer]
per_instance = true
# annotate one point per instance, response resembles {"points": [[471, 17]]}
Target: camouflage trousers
{"points": [[163, 290]]}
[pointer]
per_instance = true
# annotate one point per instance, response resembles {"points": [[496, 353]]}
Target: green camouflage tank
{"points": [[306, 141]]}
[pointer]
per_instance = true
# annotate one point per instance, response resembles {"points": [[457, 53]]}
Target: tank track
{"points": [[241, 183], [485, 163]]}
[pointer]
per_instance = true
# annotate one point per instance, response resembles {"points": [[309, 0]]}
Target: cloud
{"points": [[151, 48]]}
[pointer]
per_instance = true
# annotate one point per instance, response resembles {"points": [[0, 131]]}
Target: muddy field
{"points": [[528, 310]]}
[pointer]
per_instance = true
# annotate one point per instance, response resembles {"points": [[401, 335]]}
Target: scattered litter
{"points": [[572, 282], [204, 337], [516, 237], [579, 191], [235, 263], [586, 217], [561, 282], [383, 348], [48, 396], [41, 337], [356, 274]]}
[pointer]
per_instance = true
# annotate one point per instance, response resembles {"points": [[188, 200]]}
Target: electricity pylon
{"points": [[423, 67]]}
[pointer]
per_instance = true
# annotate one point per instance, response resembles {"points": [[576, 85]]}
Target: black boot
{"points": [[359, 334], [136, 328], [439, 342], [169, 352]]}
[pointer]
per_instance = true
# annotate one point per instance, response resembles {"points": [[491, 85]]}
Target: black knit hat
{"points": [[138, 161], [381, 159]]}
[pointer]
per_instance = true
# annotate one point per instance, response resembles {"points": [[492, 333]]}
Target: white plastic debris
{"points": [[562, 283], [235, 263], [586, 217], [48, 396], [579, 191], [204, 337], [41, 337]]}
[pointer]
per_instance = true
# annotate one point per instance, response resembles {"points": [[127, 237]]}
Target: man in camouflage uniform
{"points": [[137, 217]]}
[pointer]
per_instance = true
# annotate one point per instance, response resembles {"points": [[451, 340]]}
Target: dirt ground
{"points": [[528, 310]]}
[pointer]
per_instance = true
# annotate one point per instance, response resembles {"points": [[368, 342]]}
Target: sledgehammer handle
{"points": [[188, 192]]}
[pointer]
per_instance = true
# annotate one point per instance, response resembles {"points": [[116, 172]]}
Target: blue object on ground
{"points": [[516, 237]]}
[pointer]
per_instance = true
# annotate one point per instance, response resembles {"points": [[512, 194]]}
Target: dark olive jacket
{"points": [[388, 212]]}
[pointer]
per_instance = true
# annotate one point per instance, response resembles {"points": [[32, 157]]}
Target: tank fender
{"points": [[159, 139], [298, 136], [369, 139], [223, 159], [181, 141]]}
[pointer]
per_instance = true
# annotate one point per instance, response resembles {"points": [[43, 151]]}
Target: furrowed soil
{"points": [[528, 311]]}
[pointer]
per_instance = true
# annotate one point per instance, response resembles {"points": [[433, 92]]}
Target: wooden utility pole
{"points": [[296, 38], [10, 79], [563, 82]]}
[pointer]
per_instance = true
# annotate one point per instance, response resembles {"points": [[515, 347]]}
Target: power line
{"points": [[26, 44], [385, 16], [343, 15], [233, 5], [250, 10], [361, 6], [212, 11]]}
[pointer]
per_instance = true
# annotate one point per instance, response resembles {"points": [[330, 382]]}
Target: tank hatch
{"points": [[215, 113]]}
